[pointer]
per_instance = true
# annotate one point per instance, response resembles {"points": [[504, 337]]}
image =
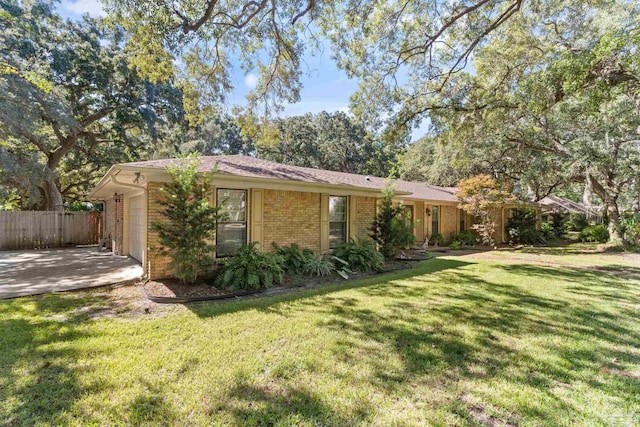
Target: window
{"points": [[463, 220], [435, 220], [337, 221], [231, 232]]}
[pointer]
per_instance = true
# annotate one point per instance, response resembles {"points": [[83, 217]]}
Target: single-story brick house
{"points": [[269, 202]]}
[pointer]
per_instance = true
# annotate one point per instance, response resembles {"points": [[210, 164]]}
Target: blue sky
{"points": [[325, 87]]}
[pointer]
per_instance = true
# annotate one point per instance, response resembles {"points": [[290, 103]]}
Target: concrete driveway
{"points": [[30, 272]]}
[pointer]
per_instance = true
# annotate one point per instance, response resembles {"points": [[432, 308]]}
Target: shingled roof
{"points": [[238, 165]]}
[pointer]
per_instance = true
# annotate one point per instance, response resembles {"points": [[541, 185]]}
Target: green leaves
{"points": [[190, 222], [249, 268], [391, 229]]}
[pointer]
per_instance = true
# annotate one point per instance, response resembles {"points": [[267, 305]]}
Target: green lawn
{"points": [[501, 338]]}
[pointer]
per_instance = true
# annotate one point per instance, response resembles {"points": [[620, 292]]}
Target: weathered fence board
{"points": [[44, 229]]}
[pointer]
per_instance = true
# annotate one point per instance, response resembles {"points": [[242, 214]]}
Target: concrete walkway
{"points": [[30, 272]]}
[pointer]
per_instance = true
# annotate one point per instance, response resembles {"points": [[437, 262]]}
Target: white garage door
{"points": [[136, 227]]}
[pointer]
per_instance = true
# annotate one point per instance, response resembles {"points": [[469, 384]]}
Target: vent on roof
{"points": [[367, 178]]}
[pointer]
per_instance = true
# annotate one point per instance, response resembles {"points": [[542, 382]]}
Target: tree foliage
{"points": [[332, 141], [391, 230], [417, 43], [482, 196], [553, 102], [69, 104]]}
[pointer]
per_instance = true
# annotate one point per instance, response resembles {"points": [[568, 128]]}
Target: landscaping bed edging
{"points": [[271, 291]]}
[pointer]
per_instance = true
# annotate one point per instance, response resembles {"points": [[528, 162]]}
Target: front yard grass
{"points": [[499, 338]]}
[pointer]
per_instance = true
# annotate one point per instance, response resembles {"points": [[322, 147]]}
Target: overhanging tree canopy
{"points": [[70, 100]]}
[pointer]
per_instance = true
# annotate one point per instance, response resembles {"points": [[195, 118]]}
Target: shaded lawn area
{"points": [[460, 340]]}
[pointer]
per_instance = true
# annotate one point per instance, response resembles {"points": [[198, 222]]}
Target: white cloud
{"points": [[80, 7], [251, 80]]}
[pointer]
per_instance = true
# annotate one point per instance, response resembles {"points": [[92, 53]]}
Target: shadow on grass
{"points": [[38, 369], [277, 404], [377, 283], [465, 333]]}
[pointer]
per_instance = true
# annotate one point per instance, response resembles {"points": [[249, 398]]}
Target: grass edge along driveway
{"points": [[472, 340]]}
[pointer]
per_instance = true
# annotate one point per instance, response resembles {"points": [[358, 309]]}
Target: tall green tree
{"points": [[70, 105], [558, 106], [332, 141]]}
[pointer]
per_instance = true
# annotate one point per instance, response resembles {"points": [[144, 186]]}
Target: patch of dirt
{"points": [[171, 288], [620, 373], [478, 413], [114, 301]]}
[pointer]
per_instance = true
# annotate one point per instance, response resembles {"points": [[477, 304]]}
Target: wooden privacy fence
{"points": [[44, 229]]}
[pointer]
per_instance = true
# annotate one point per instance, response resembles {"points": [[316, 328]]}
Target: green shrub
{"points": [[250, 269], [318, 265], [189, 222], [595, 233], [455, 245], [466, 237], [578, 222], [294, 258], [521, 227], [341, 267], [391, 229], [629, 229], [436, 239], [402, 230], [559, 224], [547, 230], [360, 255]]}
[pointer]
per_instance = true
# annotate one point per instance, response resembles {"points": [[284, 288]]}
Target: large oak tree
{"points": [[70, 106]]}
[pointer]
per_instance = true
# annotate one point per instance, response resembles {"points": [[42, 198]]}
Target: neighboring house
{"points": [[269, 202], [561, 205]]}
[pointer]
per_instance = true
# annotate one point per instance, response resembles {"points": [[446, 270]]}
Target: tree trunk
{"points": [[611, 204], [53, 196], [614, 222]]}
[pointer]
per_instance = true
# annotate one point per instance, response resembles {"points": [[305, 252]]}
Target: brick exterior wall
{"points": [[365, 214], [448, 221], [113, 223], [158, 265], [291, 217]]}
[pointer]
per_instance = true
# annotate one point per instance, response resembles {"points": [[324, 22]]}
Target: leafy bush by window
{"points": [[391, 230], [361, 255], [318, 265], [295, 258], [521, 227], [465, 238], [250, 269], [189, 223], [436, 239], [595, 233]]}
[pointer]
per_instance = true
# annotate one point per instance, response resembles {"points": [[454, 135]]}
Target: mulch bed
{"points": [[172, 290]]}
